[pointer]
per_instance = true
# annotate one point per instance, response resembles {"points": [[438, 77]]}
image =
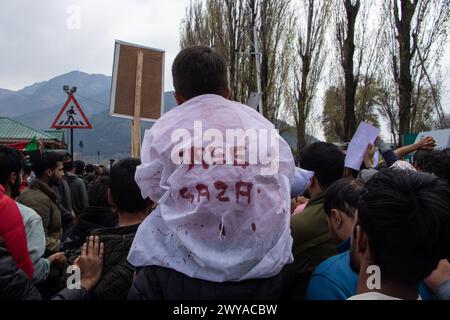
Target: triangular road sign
{"points": [[71, 116]]}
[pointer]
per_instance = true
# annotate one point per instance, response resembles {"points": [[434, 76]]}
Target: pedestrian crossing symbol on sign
{"points": [[71, 116]]}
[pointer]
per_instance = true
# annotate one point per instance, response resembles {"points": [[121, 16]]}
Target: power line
{"points": [[92, 100], [78, 95]]}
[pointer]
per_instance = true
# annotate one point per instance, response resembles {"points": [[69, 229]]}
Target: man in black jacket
{"points": [[158, 283], [97, 215], [125, 199], [14, 283]]}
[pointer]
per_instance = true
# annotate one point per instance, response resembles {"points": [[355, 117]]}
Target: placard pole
{"points": [[136, 124]]}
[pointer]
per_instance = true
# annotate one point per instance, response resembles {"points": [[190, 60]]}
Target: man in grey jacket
{"points": [[78, 192], [36, 245]]}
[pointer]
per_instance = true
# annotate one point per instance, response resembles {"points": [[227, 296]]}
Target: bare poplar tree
{"points": [[417, 34], [308, 61], [354, 72], [345, 35]]}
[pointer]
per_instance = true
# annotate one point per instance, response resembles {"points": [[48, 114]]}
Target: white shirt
{"points": [[206, 225], [375, 296]]}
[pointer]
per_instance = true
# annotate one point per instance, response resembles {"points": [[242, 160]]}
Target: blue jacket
{"points": [[334, 279]]}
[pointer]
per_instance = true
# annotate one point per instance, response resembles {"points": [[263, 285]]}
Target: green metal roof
{"points": [[13, 130], [56, 134]]}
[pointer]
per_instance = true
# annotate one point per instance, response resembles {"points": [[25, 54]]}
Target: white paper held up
{"points": [[364, 135]]}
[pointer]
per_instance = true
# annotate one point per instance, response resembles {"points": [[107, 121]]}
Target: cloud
{"points": [[38, 42], [42, 39]]}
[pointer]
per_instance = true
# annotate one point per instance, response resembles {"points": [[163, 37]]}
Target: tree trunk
{"points": [[301, 134], [303, 94], [405, 85], [347, 64]]}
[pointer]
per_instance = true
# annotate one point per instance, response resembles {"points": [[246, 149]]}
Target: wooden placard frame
{"points": [[123, 83]]}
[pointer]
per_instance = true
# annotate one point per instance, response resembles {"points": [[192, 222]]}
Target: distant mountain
{"points": [[49, 94], [38, 104], [43, 118], [29, 90], [5, 93], [111, 135]]}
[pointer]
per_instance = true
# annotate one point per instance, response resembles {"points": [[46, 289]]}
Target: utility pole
{"points": [[253, 39], [70, 91]]}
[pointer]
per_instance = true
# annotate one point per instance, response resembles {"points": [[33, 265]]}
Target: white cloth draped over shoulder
{"points": [[216, 222]]}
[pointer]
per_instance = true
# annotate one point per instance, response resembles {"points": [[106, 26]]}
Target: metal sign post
{"points": [[71, 116]]}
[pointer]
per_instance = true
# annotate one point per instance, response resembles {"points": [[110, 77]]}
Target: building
{"points": [[18, 135]]}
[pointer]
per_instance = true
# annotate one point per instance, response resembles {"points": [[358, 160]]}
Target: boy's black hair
{"points": [[199, 70], [124, 190], [11, 160], [343, 195], [438, 163], [406, 217], [98, 192]]}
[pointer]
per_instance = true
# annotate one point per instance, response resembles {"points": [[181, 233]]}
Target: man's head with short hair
{"points": [[98, 192], [340, 203], [403, 223], [125, 194], [68, 165], [90, 168], [199, 70], [79, 165], [49, 167], [99, 170], [11, 166], [438, 163], [419, 158], [326, 161]]}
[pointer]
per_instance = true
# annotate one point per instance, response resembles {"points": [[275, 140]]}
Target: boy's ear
{"points": [[362, 242], [12, 178], [314, 182], [335, 218], [179, 98]]}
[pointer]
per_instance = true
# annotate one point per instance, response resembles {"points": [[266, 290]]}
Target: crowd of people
{"points": [[152, 228]]}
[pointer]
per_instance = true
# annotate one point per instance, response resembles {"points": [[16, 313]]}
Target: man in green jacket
{"points": [[40, 197], [312, 239]]}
